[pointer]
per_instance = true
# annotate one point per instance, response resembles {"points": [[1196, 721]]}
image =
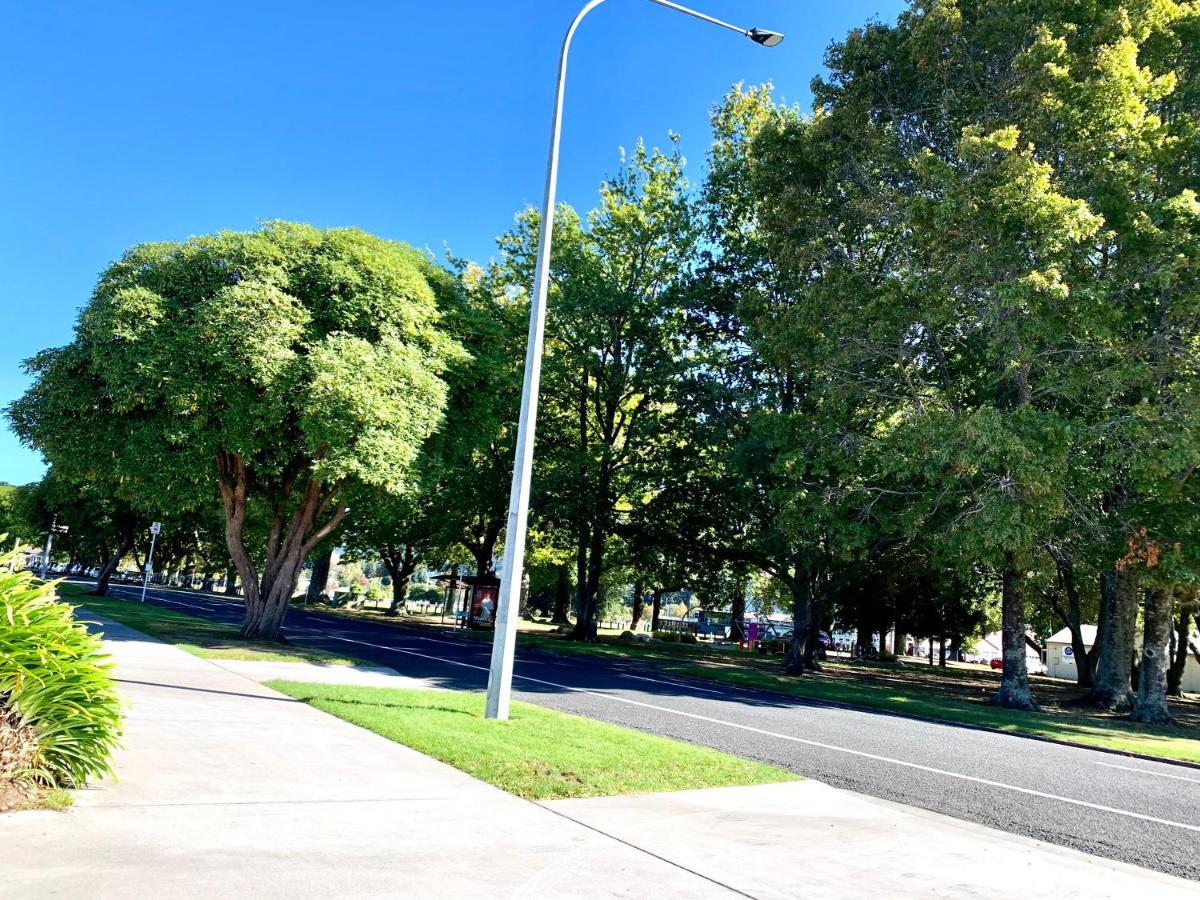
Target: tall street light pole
{"points": [[155, 528], [504, 643]]}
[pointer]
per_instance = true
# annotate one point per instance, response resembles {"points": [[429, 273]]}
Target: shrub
{"points": [[424, 593], [55, 686]]}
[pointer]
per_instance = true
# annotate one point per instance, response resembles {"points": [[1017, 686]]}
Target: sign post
{"points": [[55, 528], [155, 528]]}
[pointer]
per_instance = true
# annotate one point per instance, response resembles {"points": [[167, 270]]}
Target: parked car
{"points": [[997, 664], [778, 642]]}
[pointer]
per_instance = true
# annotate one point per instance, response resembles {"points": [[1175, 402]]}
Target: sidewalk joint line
{"points": [[649, 853]]}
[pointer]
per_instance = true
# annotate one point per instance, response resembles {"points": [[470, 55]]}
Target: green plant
{"points": [[55, 683], [425, 593]]}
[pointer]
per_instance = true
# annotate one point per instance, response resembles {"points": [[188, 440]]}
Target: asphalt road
{"points": [[1140, 812]]}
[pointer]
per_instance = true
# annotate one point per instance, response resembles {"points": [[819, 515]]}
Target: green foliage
{"points": [[283, 367], [426, 593], [290, 346], [57, 679]]}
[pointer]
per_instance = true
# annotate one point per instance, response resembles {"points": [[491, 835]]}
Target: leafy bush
{"points": [[425, 593], [55, 684]]}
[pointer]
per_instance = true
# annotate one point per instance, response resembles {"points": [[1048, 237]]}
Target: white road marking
{"points": [[797, 740], [164, 599], [681, 684], [1149, 772]]}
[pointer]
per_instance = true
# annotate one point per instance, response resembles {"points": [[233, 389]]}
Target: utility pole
{"points": [[55, 528], [155, 528], [499, 688]]}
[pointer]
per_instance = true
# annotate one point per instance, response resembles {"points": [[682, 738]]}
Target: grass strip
{"points": [[538, 754], [197, 636]]}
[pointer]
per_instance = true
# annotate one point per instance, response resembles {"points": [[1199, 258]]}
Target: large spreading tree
{"points": [[283, 366]]}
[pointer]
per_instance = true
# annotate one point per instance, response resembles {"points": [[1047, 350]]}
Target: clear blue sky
{"points": [[418, 120]]}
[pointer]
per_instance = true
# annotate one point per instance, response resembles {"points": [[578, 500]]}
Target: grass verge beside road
{"points": [[539, 754], [199, 637]]}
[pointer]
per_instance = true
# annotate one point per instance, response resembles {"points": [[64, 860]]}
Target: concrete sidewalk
{"points": [[229, 789]]}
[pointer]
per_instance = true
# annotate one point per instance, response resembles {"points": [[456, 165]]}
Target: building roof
{"points": [[1064, 636]]}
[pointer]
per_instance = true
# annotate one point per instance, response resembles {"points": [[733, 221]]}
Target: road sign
{"points": [[59, 529], [149, 568], [155, 527]]}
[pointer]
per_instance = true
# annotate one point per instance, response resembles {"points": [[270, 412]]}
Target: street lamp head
{"points": [[765, 37]]}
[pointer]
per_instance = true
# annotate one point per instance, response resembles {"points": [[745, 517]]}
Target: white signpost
{"points": [[155, 528], [55, 528]]}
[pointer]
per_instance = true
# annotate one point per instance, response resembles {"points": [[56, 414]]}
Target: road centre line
{"points": [[787, 737], [1149, 772]]}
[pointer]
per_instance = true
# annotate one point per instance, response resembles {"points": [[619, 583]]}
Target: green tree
{"points": [[283, 367], [613, 343], [1008, 190]]}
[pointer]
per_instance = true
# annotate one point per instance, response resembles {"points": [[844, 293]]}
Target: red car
{"points": [[997, 663]]}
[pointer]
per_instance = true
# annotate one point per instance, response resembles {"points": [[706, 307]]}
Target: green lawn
{"points": [[197, 636], [539, 754]]}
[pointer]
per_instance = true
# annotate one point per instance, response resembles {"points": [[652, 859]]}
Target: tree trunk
{"points": [[401, 567], [1114, 641], [562, 598], [737, 615], [583, 529], [639, 604], [110, 565], [1180, 656], [655, 608], [483, 554], [797, 655], [1151, 703], [293, 535], [320, 576], [589, 599], [231, 577], [942, 652], [1072, 617], [1014, 690], [812, 640]]}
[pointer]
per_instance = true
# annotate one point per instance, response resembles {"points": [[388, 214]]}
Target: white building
{"points": [[1060, 658]]}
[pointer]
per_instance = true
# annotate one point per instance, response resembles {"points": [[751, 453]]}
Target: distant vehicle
{"points": [[997, 663], [779, 641]]}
